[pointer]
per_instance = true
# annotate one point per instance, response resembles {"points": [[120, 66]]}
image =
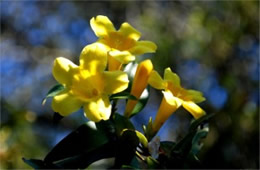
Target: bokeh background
{"points": [[212, 45]]}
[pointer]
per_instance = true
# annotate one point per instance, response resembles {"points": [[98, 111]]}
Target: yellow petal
{"points": [[140, 82], [142, 47], [130, 32], [156, 81], [94, 58], [168, 106], [123, 57], [171, 77], [63, 70], [101, 25], [171, 99], [65, 103], [115, 82], [99, 109], [113, 64], [195, 96], [194, 109]]}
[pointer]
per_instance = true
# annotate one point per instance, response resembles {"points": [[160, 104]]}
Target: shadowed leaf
{"points": [[82, 140]]}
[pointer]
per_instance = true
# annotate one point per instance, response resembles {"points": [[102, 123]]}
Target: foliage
{"points": [[117, 138], [92, 142]]}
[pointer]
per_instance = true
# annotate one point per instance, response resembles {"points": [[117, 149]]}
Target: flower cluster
{"points": [[107, 72], [100, 74]]}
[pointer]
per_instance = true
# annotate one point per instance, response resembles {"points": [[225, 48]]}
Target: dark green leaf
{"points": [[196, 123], [56, 118], [166, 147], [123, 95], [82, 140], [53, 91], [141, 138], [127, 167], [39, 164], [196, 145], [152, 163], [135, 164], [193, 162], [190, 143], [183, 147], [107, 127], [36, 164], [126, 148], [121, 123], [84, 159], [183, 153]]}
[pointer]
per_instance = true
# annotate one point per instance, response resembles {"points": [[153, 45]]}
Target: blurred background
{"points": [[212, 45]]}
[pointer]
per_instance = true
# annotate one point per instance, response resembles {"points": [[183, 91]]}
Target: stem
{"points": [[139, 156], [113, 110]]}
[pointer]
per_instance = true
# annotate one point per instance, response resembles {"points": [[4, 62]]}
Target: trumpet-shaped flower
{"points": [[173, 97], [88, 84], [123, 44], [140, 82]]}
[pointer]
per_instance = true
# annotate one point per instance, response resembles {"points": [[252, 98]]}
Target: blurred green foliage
{"points": [[212, 45]]}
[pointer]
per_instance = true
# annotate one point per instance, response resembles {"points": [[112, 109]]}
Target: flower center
{"points": [[118, 41], [177, 91], [86, 86]]}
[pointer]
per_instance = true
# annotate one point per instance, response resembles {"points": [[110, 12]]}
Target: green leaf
{"points": [[195, 123], [152, 163], [126, 148], [84, 159], [107, 127], [142, 101], [183, 153], [127, 167], [56, 118], [196, 145], [121, 123], [148, 130], [36, 164], [183, 146], [166, 147], [83, 140], [142, 139], [122, 95], [53, 91], [39, 164], [193, 162], [135, 164]]}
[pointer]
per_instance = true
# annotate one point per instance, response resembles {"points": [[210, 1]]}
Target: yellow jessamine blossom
{"points": [[174, 97], [140, 82], [87, 85], [123, 44]]}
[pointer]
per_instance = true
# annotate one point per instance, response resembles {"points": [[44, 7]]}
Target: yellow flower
{"points": [[174, 97], [140, 82], [87, 85], [123, 44]]}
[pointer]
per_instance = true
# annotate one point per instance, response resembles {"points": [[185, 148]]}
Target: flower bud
{"points": [[139, 84]]}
